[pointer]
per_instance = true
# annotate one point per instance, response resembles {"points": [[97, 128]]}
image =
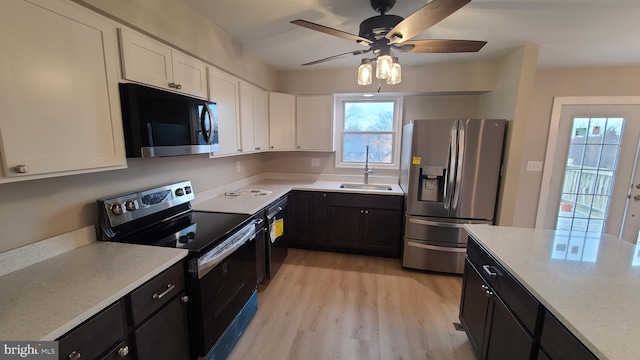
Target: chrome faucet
{"points": [[367, 171]]}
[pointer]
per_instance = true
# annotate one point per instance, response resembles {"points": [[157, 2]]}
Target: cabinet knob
{"points": [[123, 351], [489, 270], [21, 169], [361, 211], [257, 148], [272, 147], [172, 85], [178, 86], [184, 298], [74, 355], [298, 146]]}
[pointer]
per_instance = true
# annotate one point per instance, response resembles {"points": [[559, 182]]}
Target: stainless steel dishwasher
{"points": [[276, 249]]}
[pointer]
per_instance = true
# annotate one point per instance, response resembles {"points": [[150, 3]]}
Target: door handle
{"points": [[636, 197]]}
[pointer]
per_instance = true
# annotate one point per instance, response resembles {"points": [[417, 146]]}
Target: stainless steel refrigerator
{"points": [[450, 173]]}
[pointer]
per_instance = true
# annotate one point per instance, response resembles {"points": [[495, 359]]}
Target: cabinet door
{"points": [[314, 123], [505, 337], [474, 305], [164, 335], [261, 119], [224, 91], [247, 128], [59, 98], [382, 229], [301, 209], [145, 60], [189, 75], [282, 129], [346, 227]]}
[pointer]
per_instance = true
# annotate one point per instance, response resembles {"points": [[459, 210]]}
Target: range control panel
{"points": [[127, 207]]}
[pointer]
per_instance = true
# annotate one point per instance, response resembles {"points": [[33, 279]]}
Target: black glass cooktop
{"points": [[195, 231]]}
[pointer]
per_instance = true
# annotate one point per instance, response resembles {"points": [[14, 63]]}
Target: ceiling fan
{"points": [[384, 33]]}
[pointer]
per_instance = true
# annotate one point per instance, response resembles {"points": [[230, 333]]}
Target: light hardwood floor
{"points": [[324, 305]]}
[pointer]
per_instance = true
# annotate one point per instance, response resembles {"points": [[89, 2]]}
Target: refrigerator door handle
{"points": [[459, 163], [451, 166], [437, 248], [435, 223]]}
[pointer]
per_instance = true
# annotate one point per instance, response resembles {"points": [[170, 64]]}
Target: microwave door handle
{"points": [[206, 113]]}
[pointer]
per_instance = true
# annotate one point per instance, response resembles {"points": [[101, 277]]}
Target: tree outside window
{"points": [[368, 123]]}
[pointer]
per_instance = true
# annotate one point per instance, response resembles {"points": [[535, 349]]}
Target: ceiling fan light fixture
{"points": [[395, 75], [383, 66], [365, 72]]}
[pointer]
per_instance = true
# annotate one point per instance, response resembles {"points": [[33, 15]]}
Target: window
{"points": [[374, 122]]}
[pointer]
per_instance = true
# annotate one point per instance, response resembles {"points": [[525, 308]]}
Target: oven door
{"points": [[221, 283]]}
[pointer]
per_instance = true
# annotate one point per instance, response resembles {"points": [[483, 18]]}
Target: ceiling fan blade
{"points": [[440, 46], [424, 18], [332, 31], [357, 52]]}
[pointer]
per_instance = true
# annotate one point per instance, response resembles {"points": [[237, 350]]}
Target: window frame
{"points": [[396, 133]]}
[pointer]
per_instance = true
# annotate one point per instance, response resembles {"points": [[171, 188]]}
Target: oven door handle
{"points": [[201, 266]]}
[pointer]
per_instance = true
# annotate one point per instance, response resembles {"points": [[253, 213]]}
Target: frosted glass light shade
{"points": [[365, 72], [383, 66], [395, 76]]}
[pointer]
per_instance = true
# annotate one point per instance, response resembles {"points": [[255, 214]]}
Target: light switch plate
{"points": [[534, 165]]}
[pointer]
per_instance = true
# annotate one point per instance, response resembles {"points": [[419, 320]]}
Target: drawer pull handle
{"points": [[169, 288], [489, 270], [74, 355]]}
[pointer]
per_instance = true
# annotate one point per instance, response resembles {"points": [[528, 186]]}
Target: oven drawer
{"points": [[156, 292]]}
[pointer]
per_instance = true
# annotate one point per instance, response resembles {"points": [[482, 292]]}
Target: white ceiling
{"points": [[570, 33]]}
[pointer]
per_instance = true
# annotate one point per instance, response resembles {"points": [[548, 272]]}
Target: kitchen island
{"points": [[591, 285]]}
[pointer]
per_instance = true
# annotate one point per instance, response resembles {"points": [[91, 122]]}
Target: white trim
{"points": [[556, 112]]}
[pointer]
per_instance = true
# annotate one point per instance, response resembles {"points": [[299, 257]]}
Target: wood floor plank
{"points": [[324, 305]]}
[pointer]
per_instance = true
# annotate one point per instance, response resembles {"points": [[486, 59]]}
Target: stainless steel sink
{"points": [[366, 187]]}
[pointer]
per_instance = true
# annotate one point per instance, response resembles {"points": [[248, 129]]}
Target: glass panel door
{"points": [[589, 173]]}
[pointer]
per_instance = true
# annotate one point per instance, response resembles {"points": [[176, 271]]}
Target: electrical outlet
{"points": [[238, 166], [534, 165], [315, 162]]}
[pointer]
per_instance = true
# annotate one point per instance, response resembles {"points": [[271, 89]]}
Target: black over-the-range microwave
{"points": [[160, 123]]}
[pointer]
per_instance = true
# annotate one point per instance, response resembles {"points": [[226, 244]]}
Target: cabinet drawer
{"points": [[523, 305], [155, 293], [559, 343], [96, 335], [367, 201]]}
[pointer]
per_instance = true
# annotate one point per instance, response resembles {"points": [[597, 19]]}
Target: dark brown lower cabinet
{"points": [[147, 324], [493, 331], [504, 321], [165, 334], [505, 338], [349, 222]]}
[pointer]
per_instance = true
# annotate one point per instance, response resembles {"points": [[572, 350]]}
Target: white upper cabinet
{"points": [[314, 123], [60, 110], [282, 121], [224, 91], [147, 61], [254, 131]]}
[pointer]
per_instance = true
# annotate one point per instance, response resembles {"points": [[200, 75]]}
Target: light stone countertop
{"points": [[592, 285], [278, 188], [45, 300]]}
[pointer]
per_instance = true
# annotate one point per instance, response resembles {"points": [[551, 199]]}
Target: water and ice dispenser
{"points": [[432, 182]]}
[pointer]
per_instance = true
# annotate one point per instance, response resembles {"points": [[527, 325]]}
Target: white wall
{"points": [[510, 100]]}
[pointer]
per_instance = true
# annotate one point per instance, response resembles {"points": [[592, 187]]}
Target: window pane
{"points": [[368, 116], [380, 148]]}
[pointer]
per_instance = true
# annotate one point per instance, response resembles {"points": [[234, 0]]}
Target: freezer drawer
{"points": [[428, 256], [449, 233]]}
